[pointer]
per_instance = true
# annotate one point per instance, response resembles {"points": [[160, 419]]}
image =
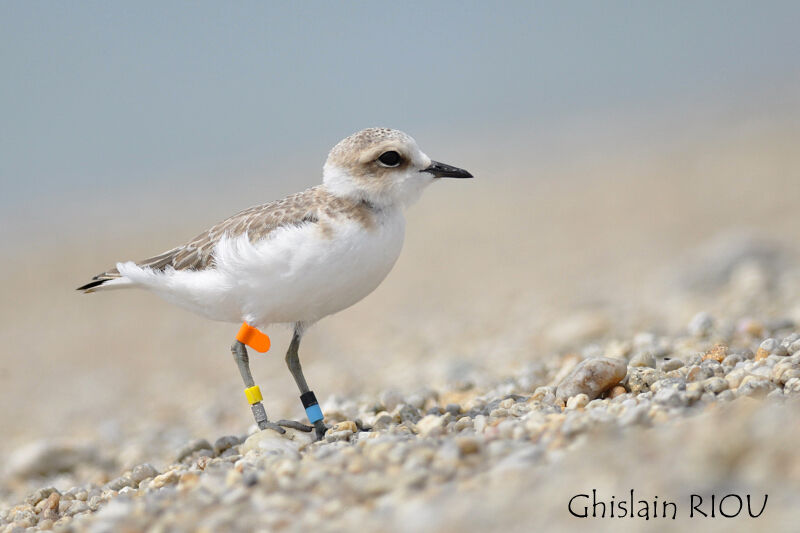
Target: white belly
{"points": [[298, 274]]}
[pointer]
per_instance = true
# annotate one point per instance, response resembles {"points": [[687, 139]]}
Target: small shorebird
{"points": [[299, 259]]}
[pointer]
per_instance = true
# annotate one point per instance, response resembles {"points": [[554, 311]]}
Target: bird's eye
{"points": [[389, 159]]}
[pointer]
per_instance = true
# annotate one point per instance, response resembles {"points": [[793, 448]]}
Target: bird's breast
{"points": [[319, 269]]}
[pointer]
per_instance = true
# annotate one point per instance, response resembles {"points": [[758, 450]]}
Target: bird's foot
{"points": [[320, 429], [266, 424], [293, 424]]}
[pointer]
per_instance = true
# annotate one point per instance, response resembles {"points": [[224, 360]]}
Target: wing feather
{"points": [[257, 222]]}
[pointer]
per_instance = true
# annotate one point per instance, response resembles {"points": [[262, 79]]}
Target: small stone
{"points": [[646, 359], [347, 425], [671, 364], [453, 408], [769, 345], [726, 396], [735, 377], [792, 386], [732, 360], [408, 412], [712, 367], [671, 397], [794, 347], [118, 483], [50, 510], [39, 495], [142, 472], [717, 353], [640, 379], [77, 507], [191, 447], [463, 423], [697, 373], [430, 426], [544, 394], [167, 478], [592, 377], [578, 401], [754, 386], [715, 385], [617, 390], [761, 354], [225, 443], [668, 383], [271, 442], [382, 420]]}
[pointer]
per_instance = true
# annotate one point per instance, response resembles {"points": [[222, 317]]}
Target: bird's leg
{"points": [[313, 412], [252, 391]]}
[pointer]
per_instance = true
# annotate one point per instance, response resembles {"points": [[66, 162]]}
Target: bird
{"points": [[297, 260]]}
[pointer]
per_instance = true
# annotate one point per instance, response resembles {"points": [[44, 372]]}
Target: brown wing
{"points": [[257, 222]]}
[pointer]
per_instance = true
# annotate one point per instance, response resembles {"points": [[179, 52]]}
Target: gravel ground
{"points": [[479, 455]]}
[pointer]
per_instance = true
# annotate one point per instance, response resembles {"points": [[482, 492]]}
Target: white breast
{"points": [[297, 274]]}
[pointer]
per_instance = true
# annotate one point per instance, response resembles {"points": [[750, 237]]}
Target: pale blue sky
{"points": [[99, 94]]}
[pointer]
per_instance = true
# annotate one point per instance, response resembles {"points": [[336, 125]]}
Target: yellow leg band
{"points": [[253, 394]]}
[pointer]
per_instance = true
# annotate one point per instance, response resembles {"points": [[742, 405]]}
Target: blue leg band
{"points": [[313, 412]]}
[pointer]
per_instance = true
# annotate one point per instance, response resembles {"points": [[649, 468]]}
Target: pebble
{"points": [[754, 386], [141, 472], [271, 442], [592, 377], [191, 447], [616, 390], [39, 495], [672, 364], [50, 509], [639, 379], [794, 347], [119, 483], [717, 353], [715, 385], [430, 426], [225, 443], [578, 401], [167, 478]]}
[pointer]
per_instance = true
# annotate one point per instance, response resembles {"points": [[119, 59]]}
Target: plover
{"points": [[296, 260]]}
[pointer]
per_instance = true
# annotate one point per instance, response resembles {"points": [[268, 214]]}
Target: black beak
{"points": [[440, 170]]}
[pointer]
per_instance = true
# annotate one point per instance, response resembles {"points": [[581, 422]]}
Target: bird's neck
{"points": [[341, 185]]}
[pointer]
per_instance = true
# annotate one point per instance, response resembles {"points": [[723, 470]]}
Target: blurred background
{"points": [[630, 161]]}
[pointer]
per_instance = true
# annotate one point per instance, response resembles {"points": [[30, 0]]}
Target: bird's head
{"points": [[384, 167]]}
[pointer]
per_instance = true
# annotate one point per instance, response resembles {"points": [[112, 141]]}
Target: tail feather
{"points": [[112, 279], [91, 285], [103, 281]]}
